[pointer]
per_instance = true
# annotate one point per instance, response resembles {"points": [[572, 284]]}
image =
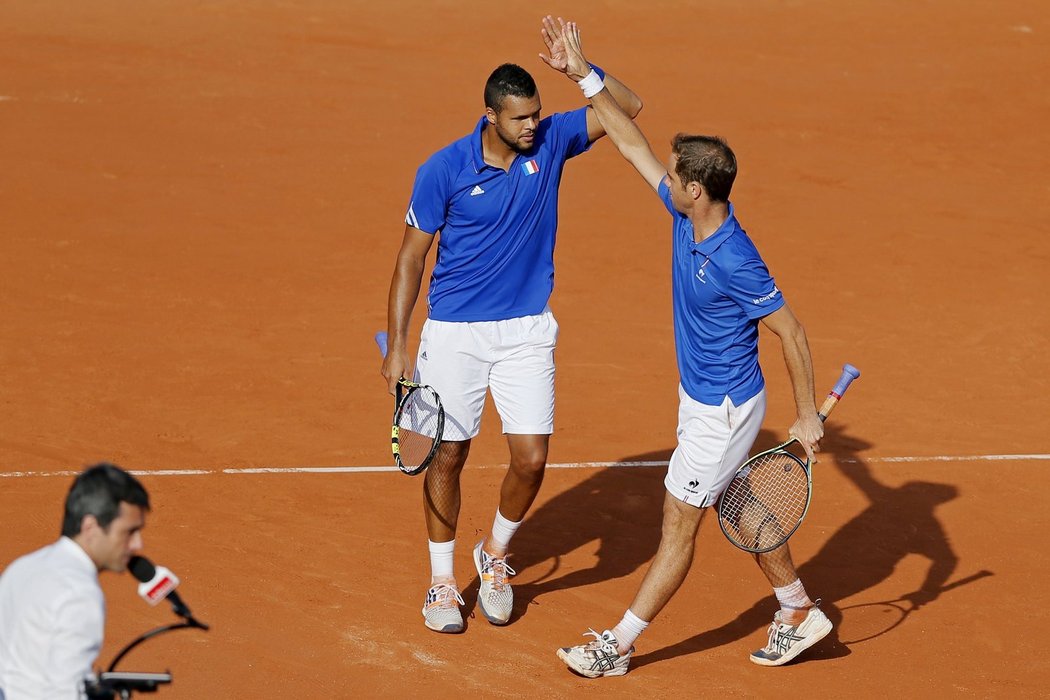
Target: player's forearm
{"points": [[628, 101], [619, 126], [799, 363], [404, 290], [943, 563], [615, 107], [622, 95]]}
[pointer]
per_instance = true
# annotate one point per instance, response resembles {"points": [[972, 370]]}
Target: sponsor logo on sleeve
{"points": [[764, 299]]}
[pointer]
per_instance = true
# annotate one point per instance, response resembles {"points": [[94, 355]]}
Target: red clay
{"points": [[201, 208]]}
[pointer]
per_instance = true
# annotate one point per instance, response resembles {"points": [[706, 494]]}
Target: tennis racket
{"points": [[419, 421], [770, 493]]}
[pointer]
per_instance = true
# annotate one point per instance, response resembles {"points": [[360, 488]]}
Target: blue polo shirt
{"points": [[495, 257], [721, 288]]}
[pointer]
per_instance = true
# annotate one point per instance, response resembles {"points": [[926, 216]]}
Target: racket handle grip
{"points": [[381, 340], [849, 373]]}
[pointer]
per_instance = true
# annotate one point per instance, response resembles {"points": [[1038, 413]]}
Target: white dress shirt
{"points": [[52, 617]]}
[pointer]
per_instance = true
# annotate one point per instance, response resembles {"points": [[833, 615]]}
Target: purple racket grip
{"points": [[380, 338], [849, 373]]}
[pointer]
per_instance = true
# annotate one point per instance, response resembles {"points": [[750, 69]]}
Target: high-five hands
{"points": [[552, 37], [563, 44]]}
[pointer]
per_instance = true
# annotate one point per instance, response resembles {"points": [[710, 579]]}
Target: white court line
{"points": [[136, 472], [309, 470], [948, 458], [564, 465], [171, 472]]}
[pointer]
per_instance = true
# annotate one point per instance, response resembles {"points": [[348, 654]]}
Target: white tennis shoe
{"points": [[495, 597], [788, 641], [441, 611], [597, 658]]}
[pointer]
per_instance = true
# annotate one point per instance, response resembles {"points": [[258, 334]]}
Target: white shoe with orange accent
{"points": [[495, 597], [441, 611]]}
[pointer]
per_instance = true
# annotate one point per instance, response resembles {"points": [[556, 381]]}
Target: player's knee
{"points": [[530, 463], [528, 455], [450, 458]]}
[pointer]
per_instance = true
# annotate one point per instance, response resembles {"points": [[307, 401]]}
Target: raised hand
{"points": [[560, 58], [552, 37], [578, 67]]}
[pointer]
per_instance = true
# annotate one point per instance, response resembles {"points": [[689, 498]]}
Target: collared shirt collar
{"points": [[710, 244], [477, 153], [77, 552]]}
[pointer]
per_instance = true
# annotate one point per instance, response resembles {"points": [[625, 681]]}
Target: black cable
{"points": [[190, 623]]}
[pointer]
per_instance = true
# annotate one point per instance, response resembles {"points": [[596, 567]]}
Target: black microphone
{"points": [[158, 583]]}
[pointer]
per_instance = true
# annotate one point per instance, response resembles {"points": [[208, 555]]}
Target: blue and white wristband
{"points": [[592, 84]]}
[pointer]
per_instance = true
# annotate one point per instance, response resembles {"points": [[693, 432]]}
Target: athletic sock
{"points": [[629, 629], [792, 597], [441, 558], [502, 531]]}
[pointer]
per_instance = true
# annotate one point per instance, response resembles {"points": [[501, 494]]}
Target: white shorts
{"points": [[713, 441], [513, 358]]}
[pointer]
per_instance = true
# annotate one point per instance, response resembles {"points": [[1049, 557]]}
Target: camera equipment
{"points": [[120, 685]]}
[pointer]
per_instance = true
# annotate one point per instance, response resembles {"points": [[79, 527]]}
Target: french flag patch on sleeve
{"points": [[530, 167]]}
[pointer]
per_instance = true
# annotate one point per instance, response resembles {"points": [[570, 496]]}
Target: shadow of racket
{"points": [[864, 621]]}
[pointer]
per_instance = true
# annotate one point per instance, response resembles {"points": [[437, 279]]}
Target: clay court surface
{"points": [[201, 203]]}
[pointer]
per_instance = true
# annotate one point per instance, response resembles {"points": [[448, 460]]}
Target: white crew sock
{"points": [[628, 630], [793, 597], [502, 531], [441, 558]]}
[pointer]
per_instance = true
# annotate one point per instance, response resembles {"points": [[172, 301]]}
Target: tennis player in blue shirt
{"points": [[491, 200], [721, 292]]}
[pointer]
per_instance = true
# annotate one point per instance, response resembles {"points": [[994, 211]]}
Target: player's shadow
{"points": [[613, 515], [897, 522]]}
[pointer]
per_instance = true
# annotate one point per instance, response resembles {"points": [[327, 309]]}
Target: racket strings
{"points": [[764, 503], [419, 425]]}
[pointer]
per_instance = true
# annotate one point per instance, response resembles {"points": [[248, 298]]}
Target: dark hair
{"points": [[508, 79], [708, 160], [99, 491]]}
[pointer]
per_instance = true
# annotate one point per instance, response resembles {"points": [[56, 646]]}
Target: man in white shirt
{"points": [[52, 612]]}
